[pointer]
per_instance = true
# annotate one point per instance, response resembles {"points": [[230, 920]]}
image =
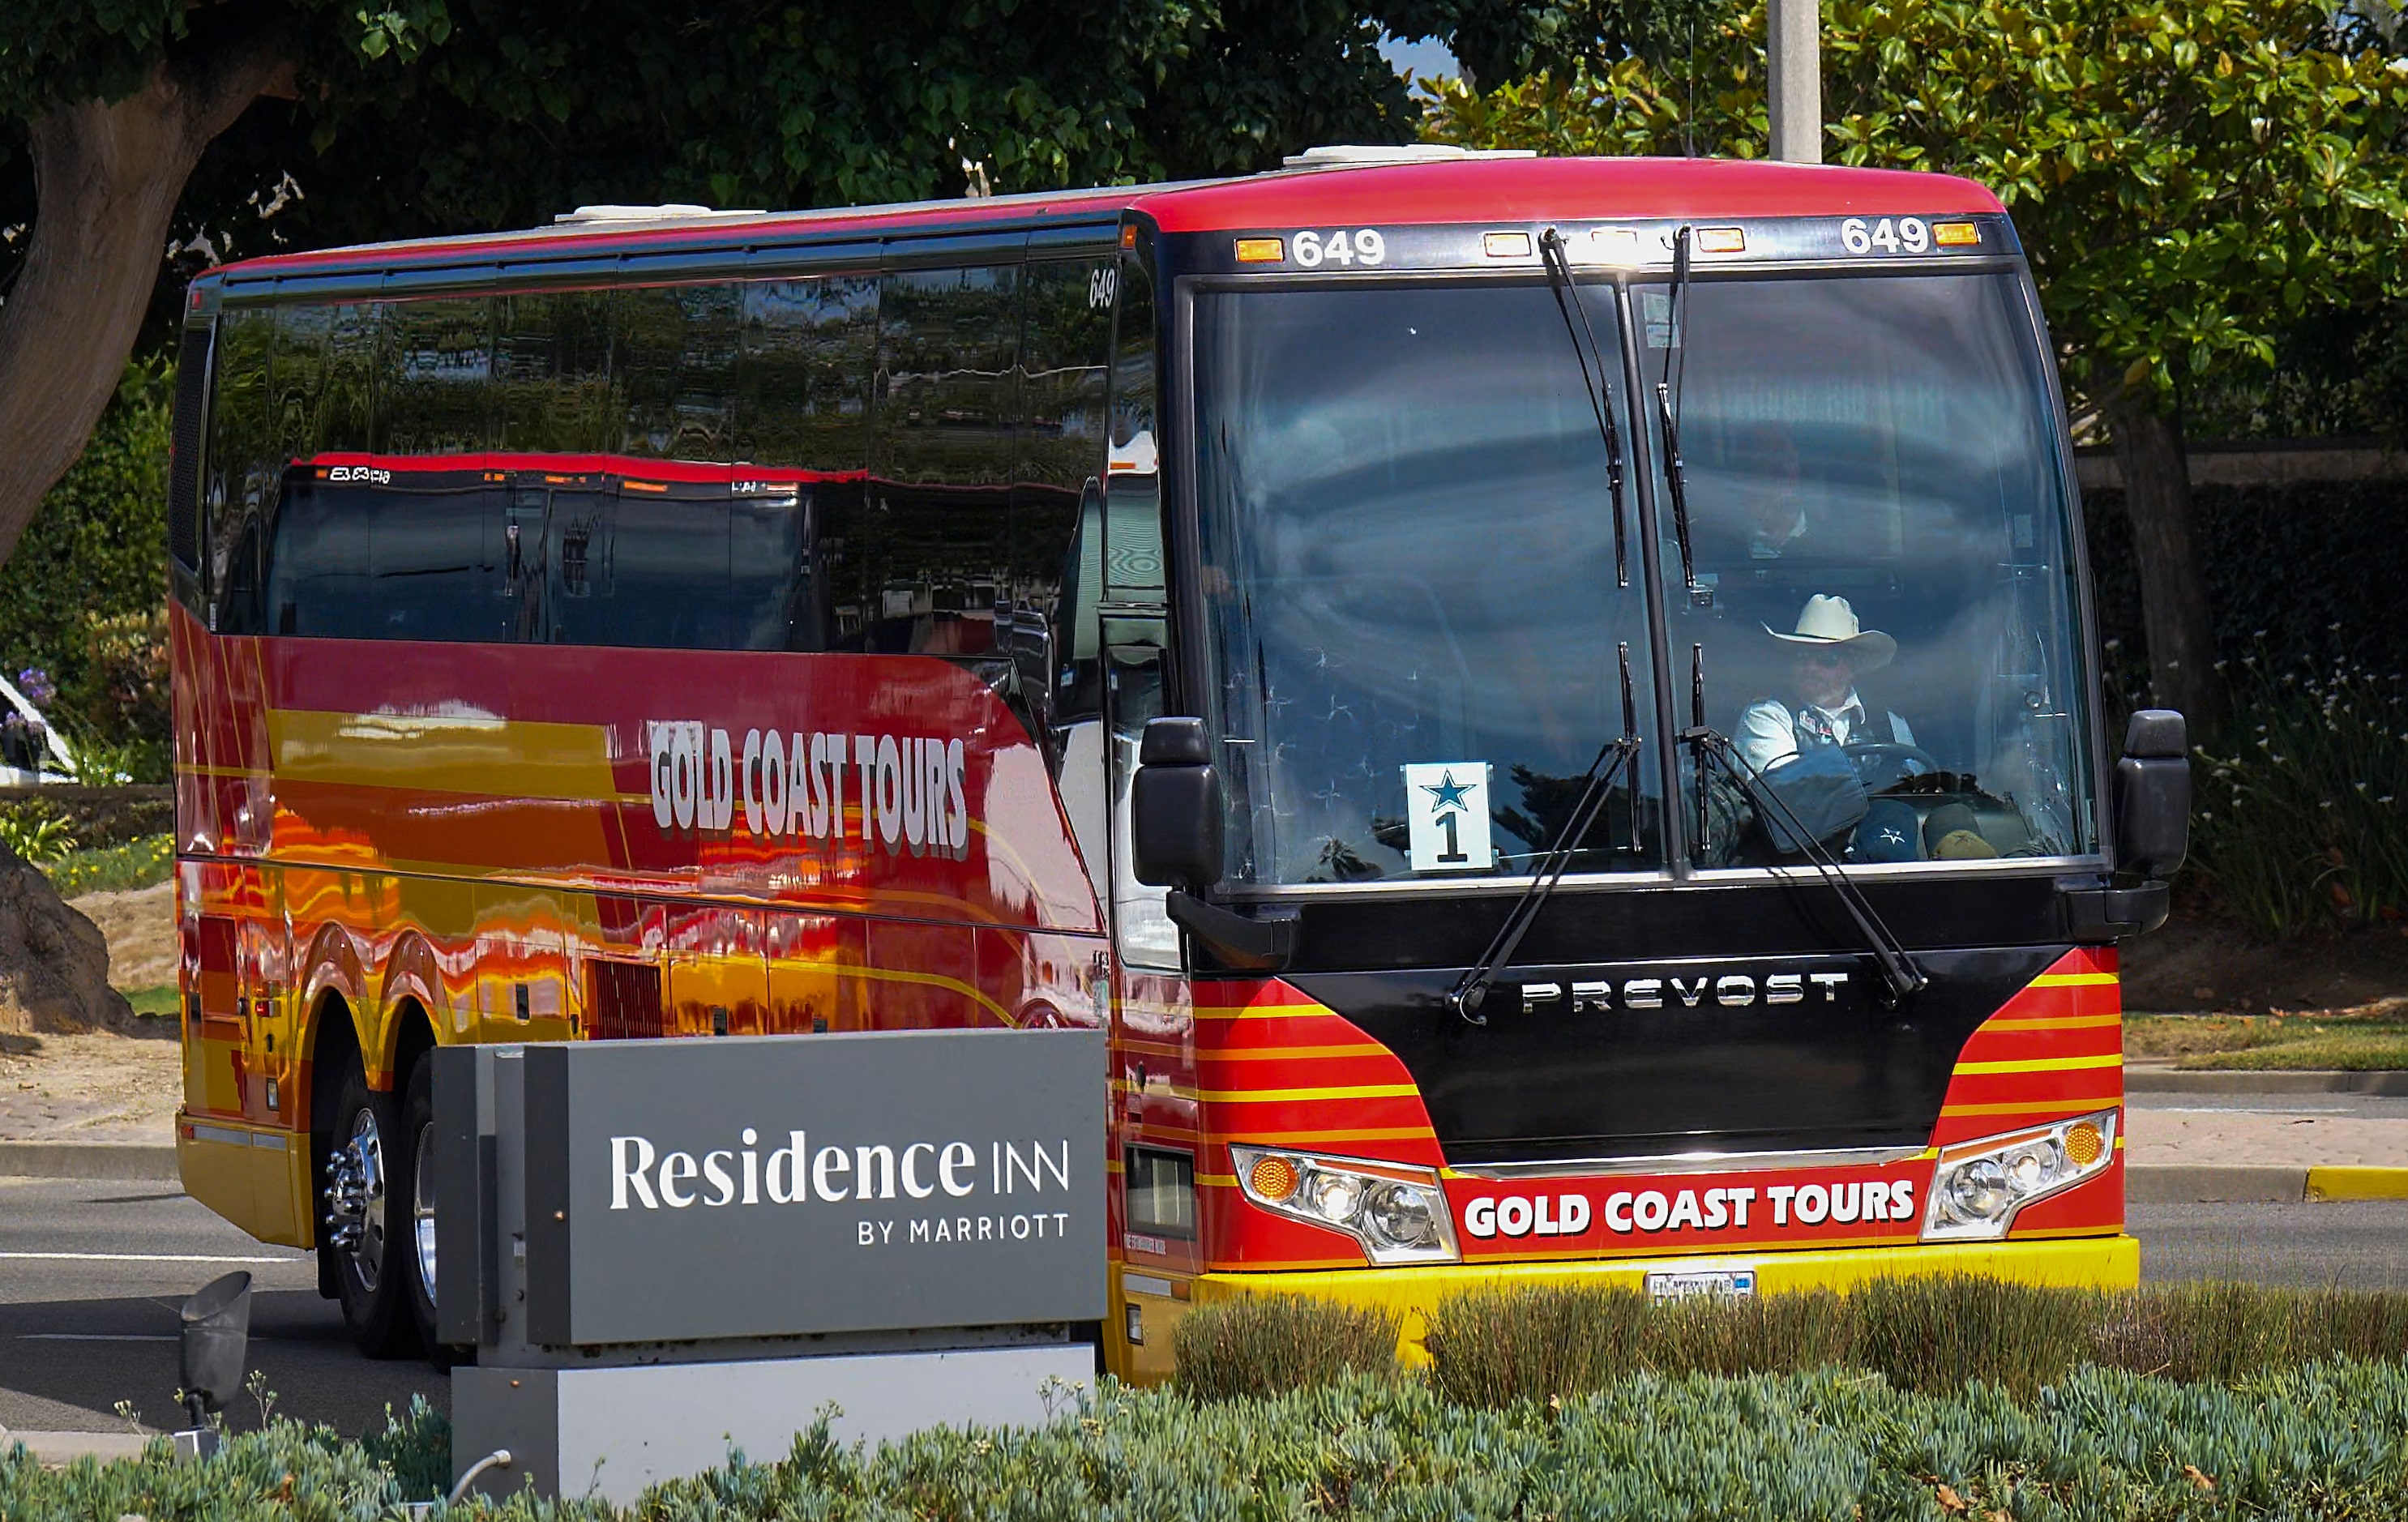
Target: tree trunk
{"points": [[107, 178], [2173, 587]]}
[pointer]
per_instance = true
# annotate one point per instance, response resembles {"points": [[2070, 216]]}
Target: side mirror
{"points": [[1175, 824], [2152, 795]]}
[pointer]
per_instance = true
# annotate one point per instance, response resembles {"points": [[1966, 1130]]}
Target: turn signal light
{"points": [[1955, 235], [2083, 1145], [1261, 251], [1273, 1178]]}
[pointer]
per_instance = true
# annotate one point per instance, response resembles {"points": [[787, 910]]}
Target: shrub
{"points": [[35, 831], [84, 594], [2299, 823], [137, 864], [1494, 1347], [2328, 1440], [1258, 1347]]}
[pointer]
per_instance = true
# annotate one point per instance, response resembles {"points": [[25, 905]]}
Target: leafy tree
{"points": [[236, 126], [2188, 178], [81, 597]]}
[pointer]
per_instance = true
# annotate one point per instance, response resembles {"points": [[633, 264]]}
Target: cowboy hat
{"points": [[1829, 621]]}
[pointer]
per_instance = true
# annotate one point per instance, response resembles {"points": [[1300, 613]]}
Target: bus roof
{"points": [[1470, 190]]}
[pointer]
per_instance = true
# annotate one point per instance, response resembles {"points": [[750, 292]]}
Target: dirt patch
{"points": [[102, 1088], [2197, 965], [140, 927]]}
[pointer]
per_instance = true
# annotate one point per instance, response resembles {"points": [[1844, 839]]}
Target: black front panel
{"points": [[1722, 1053]]}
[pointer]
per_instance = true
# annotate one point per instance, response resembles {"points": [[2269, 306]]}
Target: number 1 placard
{"points": [[1446, 812]]}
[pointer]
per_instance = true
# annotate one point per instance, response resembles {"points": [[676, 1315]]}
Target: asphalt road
{"points": [[91, 1275]]}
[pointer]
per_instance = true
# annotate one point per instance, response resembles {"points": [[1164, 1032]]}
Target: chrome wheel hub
{"points": [[422, 1209], [355, 1199]]}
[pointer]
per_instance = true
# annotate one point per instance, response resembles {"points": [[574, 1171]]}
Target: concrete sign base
{"points": [[611, 1432]]}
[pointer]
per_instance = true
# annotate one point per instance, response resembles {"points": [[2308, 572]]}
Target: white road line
{"points": [[96, 1337], [143, 1257]]}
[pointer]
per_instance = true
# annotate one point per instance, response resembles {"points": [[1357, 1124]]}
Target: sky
{"points": [[1427, 60]]}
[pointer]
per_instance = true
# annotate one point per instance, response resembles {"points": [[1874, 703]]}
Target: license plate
{"points": [[1739, 1283]]}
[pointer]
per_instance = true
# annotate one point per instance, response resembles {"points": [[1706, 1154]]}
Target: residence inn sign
{"points": [[698, 1189]]}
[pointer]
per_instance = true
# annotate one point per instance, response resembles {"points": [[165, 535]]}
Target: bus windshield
{"points": [[1408, 558]]}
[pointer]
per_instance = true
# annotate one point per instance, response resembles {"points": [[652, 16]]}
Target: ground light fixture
{"points": [[1399, 1213], [1979, 1185]]}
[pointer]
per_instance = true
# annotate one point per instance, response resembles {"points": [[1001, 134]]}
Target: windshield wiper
{"points": [[1668, 406], [1559, 279], [1900, 977], [1471, 990]]}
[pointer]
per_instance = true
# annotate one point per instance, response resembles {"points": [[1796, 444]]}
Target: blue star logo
{"points": [[1449, 793]]}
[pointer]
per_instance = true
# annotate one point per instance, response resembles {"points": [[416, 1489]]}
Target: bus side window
{"points": [[241, 467], [941, 461], [802, 415]]}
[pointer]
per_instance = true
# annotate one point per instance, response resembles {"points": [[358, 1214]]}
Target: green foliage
{"points": [[1497, 1347], [137, 864], [2188, 179], [286, 1470], [36, 832], [1259, 1346], [84, 595], [2299, 825], [2328, 1440]]}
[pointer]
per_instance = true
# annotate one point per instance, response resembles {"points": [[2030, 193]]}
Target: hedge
{"points": [[2328, 1441]]}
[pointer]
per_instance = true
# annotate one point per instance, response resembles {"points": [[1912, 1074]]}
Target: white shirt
{"points": [[1768, 733]]}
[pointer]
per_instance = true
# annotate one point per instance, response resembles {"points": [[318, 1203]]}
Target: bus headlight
{"points": [[1979, 1185], [1399, 1213]]}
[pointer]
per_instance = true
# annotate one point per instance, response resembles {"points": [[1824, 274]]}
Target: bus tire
{"points": [[364, 1210], [422, 1275]]}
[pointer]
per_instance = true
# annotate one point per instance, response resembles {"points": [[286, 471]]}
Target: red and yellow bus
{"points": [[1547, 706]]}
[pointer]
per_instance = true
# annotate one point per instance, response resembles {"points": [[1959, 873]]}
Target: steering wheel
{"points": [[1884, 764]]}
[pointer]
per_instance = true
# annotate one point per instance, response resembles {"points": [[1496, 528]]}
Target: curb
{"points": [[56, 1450], [2192, 1183], [126, 1162], [2153, 1079]]}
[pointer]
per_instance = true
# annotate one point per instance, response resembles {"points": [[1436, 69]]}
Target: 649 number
{"points": [[1904, 235], [1342, 247]]}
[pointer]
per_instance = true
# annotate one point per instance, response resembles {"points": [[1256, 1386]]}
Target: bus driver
{"points": [[1832, 650]]}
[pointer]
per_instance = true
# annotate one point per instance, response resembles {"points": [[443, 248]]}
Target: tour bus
{"points": [[1548, 706]]}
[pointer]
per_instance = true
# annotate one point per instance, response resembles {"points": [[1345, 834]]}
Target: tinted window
{"points": [[938, 525], [437, 396], [240, 466], [802, 410], [319, 569], [674, 348], [431, 554], [297, 383], [1135, 519], [556, 391], [346, 404], [1057, 510]]}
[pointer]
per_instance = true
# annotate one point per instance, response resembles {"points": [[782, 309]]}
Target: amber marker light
{"points": [[1722, 240], [2083, 1145], [1128, 238], [1955, 235], [1261, 251], [1506, 245], [1273, 1178]]}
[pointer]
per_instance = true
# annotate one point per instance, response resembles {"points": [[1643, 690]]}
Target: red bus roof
{"points": [[1464, 191]]}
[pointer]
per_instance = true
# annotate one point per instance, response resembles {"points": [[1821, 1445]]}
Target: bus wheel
{"points": [[418, 1129], [366, 1218]]}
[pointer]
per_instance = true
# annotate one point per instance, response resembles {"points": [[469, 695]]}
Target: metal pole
{"points": [[1794, 70]]}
